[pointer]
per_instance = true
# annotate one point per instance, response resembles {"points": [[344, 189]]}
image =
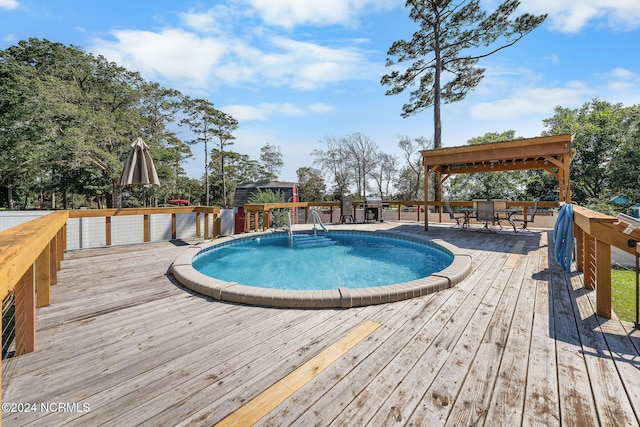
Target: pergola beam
{"points": [[550, 153]]}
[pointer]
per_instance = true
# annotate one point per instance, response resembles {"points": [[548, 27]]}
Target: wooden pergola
{"points": [[550, 153]]}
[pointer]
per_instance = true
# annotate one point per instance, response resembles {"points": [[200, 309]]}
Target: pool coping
{"points": [[182, 269]]}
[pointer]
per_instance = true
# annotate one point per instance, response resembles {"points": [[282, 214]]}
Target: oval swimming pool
{"points": [[352, 268]]}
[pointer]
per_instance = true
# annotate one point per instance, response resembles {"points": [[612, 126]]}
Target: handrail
{"points": [[31, 254], [22, 245], [595, 234], [108, 214], [316, 216], [253, 210]]}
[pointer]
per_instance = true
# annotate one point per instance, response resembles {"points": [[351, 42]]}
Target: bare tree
{"points": [[386, 169], [362, 154], [335, 161], [412, 170]]}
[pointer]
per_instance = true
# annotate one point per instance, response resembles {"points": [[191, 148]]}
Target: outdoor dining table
{"points": [[503, 214], [508, 216], [468, 214]]}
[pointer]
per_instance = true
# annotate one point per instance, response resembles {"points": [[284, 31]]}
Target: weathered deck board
{"points": [[517, 342]]}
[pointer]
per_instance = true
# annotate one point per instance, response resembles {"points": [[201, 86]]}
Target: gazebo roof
{"points": [[550, 153], [545, 152]]}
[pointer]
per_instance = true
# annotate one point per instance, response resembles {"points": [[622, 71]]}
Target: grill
{"points": [[346, 209], [372, 209]]}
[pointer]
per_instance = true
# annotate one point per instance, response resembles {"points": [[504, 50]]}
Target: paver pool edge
{"points": [[182, 269]]}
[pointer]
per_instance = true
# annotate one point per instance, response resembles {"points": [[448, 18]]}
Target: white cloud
{"points": [[9, 4], [622, 73], [189, 60], [173, 54], [321, 107], [531, 101], [308, 66], [216, 20], [289, 13], [572, 16], [266, 110]]}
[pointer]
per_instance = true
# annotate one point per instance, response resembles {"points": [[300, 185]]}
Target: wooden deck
{"points": [[516, 343]]}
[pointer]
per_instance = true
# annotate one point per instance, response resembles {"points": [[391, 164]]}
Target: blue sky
{"points": [[296, 72]]}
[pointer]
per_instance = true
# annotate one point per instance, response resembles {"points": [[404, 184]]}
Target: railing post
{"points": [[107, 223], [198, 224], [217, 226], [579, 234], [603, 279], [174, 226], [146, 228], [25, 313], [53, 259], [43, 277], [62, 244]]}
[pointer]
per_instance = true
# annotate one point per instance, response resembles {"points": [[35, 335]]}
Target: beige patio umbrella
{"points": [[139, 168]]}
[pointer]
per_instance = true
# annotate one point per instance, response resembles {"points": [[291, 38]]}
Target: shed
{"points": [[246, 190]]}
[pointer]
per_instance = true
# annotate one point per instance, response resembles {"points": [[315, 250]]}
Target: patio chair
{"points": [[456, 217], [485, 212], [526, 220]]}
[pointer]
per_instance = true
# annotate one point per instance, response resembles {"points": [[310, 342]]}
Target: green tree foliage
{"points": [[488, 185], [160, 107], [453, 36], [272, 162], [625, 166], [210, 125], [311, 186], [200, 119], [279, 216], [239, 168], [606, 144], [67, 119]]}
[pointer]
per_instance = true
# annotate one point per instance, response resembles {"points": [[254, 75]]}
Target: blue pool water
{"points": [[356, 260]]}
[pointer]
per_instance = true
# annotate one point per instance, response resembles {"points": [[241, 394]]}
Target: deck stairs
{"points": [[312, 240]]}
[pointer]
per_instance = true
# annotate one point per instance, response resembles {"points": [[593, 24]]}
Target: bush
{"points": [[271, 196]]}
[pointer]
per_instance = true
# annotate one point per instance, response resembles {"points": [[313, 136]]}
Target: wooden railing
{"points": [[595, 234], [254, 210], [31, 253], [30, 256], [108, 214]]}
